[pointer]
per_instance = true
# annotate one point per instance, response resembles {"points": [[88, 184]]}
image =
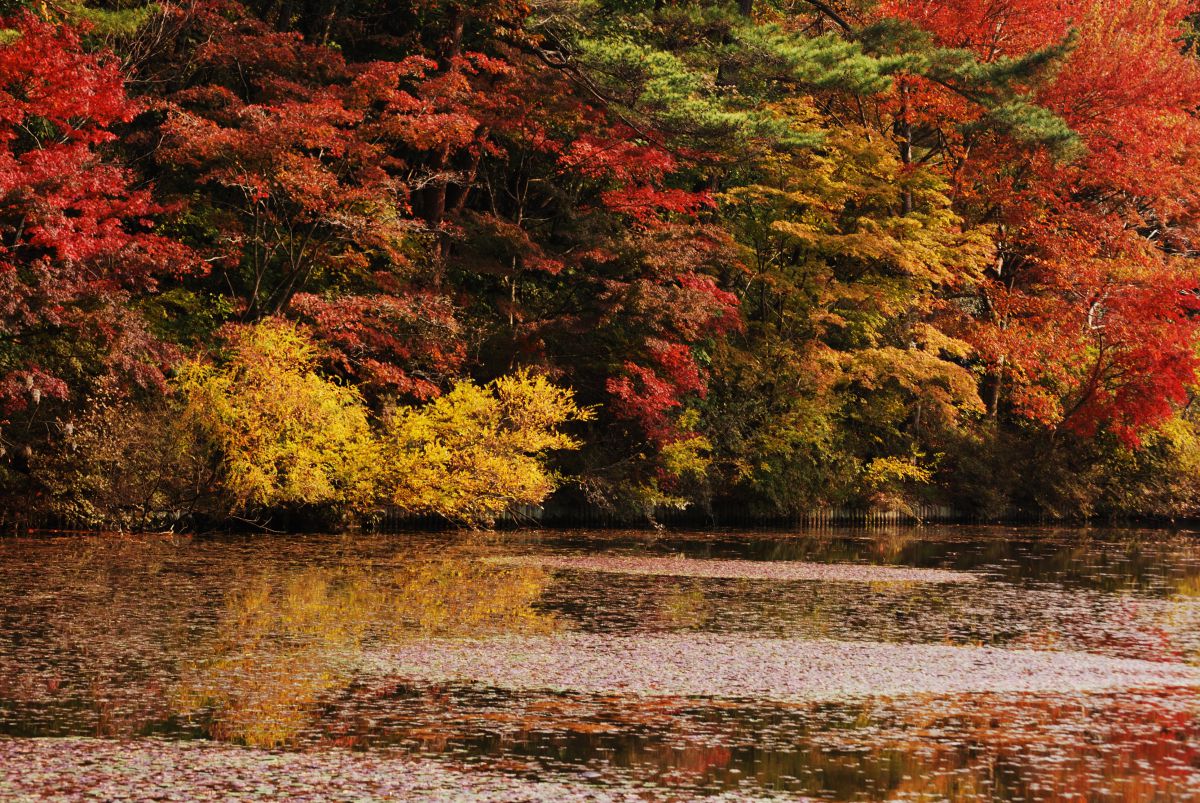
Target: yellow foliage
{"points": [[286, 434], [1179, 434], [848, 354], [681, 461], [946, 387], [687, 457], [884, 471], [834, 218], [478, 451]]}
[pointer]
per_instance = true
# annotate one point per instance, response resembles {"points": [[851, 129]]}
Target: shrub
{"points": [[476, 452], [285, 434], [125, 464]]}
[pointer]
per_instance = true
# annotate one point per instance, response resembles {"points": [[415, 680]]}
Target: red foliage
{"points": [[678, 310], [1090, 321], [634, 176], [617, 158], [405, 343], [646, 204], [76, 238], [305, 164]]}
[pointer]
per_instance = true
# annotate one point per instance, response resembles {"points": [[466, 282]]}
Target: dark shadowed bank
{"points": [[590, 517]]}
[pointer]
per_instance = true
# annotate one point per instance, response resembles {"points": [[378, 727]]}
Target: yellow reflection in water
{"points": [[1187, 587], [1181, 620], [284, 642], [682, 608], [889, 546]]}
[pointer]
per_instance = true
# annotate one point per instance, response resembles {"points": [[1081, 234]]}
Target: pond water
{"points": [[935, 663]]}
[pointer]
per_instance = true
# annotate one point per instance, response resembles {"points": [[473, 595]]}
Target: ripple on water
{"points": [[982, 747], [152, 769], [671, 684]]}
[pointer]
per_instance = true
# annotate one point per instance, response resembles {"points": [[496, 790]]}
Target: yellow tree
{"points": [[476, 452], [285, 434], [847, 372]]}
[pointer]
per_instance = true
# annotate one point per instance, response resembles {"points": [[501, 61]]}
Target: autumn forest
{"points": [[327, 257]]}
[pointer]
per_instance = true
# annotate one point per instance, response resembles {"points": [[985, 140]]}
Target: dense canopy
{"points": [[775, 254]]}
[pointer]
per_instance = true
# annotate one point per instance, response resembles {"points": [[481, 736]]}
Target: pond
{"points": [[934, 663]]}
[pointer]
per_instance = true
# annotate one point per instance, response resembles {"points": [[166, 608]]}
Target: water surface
{"points": [[903, 664]]}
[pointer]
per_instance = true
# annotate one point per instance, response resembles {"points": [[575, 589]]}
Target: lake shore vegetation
{"points": [[330, 257]]}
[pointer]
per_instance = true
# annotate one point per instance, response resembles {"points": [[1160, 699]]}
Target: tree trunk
{"points": [[906, 150], [435, 196]]}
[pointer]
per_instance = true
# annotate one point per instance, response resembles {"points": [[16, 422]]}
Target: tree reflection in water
{"points": [[286, 641], [265, 641]]}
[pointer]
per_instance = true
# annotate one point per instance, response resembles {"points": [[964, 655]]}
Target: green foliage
{"points": [[1002, 86], [702, 73], [1034, 125], [124, 20]]}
